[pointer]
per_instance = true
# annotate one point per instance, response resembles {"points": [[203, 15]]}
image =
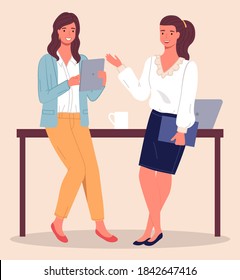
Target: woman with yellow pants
{"points": [[65, 117]]}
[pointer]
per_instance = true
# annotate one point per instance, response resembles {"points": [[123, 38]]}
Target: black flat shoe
{"points": [[138, 243], [151, 243]]}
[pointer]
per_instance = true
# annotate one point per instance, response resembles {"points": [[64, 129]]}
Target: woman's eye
{"points": [[162, 33], [63, 30], [73, 31], [171, 33]]}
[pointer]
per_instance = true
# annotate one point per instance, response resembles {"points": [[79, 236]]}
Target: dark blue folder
{"points": [[168, 129]]}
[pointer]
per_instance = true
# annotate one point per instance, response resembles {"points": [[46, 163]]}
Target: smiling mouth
{"points": [[166, 41], [68, 39]]}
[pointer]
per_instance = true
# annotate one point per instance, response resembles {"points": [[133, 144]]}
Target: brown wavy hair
{"points": [[62, 20], [187, 34]]}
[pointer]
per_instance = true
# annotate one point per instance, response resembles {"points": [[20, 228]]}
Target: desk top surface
{"points": [[105, 132]]}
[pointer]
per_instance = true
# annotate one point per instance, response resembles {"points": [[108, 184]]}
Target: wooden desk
{"points": [[217, 134]]}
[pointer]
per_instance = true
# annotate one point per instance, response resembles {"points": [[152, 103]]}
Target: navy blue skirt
{"points": [[157, 155]]}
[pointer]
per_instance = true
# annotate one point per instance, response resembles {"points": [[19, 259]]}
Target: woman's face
{"points": [[67, 33], [168, 35]]}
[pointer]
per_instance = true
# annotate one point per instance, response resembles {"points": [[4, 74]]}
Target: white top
{"points": [[69, 101], [173, 91]]}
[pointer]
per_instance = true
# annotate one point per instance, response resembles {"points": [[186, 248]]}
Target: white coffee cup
{"points": [[119, 119]]}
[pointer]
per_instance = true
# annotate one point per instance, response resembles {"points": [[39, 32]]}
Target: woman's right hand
{"points": [[74, 81], [115, 61]]}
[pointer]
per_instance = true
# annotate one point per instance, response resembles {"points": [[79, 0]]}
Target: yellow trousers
{"points": [[73, 144]]}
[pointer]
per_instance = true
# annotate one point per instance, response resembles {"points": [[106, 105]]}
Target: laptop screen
{"points": [[206, 111]]}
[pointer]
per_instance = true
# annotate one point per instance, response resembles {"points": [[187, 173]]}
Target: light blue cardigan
{"points": [[49, 90]]}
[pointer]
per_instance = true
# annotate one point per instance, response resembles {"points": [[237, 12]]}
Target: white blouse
{"points": [[69, 101], [173, 91]]}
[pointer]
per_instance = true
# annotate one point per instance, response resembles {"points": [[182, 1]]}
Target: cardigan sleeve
{"points": [[46, 93], [140, 89], [94, 94], [186, 116]]}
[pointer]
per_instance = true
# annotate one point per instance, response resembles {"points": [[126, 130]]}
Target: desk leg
{"points": [[22, 185], [217, 186]]}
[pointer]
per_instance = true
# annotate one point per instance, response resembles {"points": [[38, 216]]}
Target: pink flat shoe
{"points": [[59, 237], [108, 239]]}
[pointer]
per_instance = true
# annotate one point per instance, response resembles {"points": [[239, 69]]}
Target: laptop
{"points": [[206, 112]]}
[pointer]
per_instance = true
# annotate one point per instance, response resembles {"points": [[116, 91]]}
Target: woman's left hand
{"points": [[102, 75], [179, 139]]}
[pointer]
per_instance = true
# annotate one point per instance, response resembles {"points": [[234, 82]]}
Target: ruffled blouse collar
{"points": [[170, 71]]}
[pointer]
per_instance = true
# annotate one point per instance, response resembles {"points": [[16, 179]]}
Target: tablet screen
{"points": [[89, 74]]}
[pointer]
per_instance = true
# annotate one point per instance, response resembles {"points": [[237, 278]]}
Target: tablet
{"points": [[168, 129], [89, 74]]}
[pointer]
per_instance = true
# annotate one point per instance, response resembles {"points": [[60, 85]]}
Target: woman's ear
{"points": [[178, 35]]}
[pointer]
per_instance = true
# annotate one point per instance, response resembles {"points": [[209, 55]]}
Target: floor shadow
{"points": [[88, 239]]}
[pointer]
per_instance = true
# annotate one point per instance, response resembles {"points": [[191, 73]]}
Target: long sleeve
{"points": [[185, 116], [94, 94], [46, 93], [140, 89]]}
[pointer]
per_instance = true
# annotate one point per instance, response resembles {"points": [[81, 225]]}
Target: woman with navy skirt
{"points": [[169, 81]]}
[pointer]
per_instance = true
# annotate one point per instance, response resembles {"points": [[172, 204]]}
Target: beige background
{"points": [[130, 30]]}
